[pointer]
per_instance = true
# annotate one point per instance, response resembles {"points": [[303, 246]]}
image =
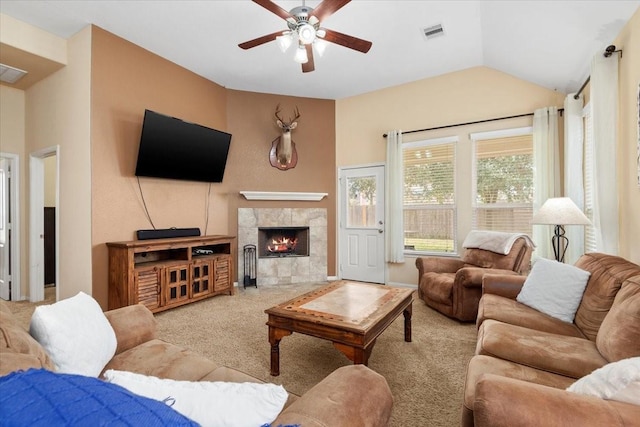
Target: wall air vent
{"points": [[433, 31], [10, 74]]}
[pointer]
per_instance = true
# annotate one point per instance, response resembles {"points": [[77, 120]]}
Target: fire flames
{"points": [[282, 244]]}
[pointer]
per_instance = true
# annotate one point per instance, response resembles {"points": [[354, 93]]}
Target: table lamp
{"points": [[560, 211]]}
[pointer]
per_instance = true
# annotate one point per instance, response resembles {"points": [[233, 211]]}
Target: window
{"points": [[429, 195], [503, 180], [589, 230]]}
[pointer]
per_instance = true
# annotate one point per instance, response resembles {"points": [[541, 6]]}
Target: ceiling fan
{"points": [[304, 28]]}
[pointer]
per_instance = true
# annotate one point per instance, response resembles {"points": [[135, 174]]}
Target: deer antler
{"points": [[297, 112], [278, 113]]}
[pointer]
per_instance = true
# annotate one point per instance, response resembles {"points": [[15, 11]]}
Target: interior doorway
{"points": [[43, 244], [9, 227]]}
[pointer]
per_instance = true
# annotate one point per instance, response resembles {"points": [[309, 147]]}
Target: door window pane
{"points": [[361, 206]]}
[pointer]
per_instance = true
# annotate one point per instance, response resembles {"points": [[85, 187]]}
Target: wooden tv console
{"points": [[167, 273]]}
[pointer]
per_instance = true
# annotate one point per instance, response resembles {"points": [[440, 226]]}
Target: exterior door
{"points": [[5, 235], [361, 230]]}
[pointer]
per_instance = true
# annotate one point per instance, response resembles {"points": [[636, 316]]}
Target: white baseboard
{"points": [[332, 278]]}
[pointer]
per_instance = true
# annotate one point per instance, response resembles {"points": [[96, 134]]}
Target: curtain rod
{"points": [[586, 82], [610, 50], [470, 123]]}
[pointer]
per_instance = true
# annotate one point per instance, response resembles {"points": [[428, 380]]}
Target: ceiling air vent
{"points": [[433, 31], [10, 74]]}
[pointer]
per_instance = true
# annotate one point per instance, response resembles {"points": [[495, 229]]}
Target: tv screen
{"points": [[174, 149]]}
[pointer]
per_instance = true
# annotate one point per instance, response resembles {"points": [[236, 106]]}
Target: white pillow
{"points": [[76, 334], [209, 403], [554, 288], [614, 381]]}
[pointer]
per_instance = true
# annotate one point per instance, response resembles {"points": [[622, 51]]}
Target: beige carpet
{"points": [[426, 376]]}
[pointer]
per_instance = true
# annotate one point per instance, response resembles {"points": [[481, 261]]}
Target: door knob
{"points": [[380, 230]]}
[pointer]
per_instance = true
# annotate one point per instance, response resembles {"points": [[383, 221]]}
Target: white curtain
{"points": [[546, 174], [604, 100], [573, 164], [393, 198]]}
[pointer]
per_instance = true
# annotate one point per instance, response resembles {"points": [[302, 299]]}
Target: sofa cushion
{"points": [[512, 312], [615, 381], [209, 403], [608, 272], [76, 335], [44, 398], [18, 349], [440, 286], [569, 356], [163, 360], [554, 288], [479, 365], [619, 334]]}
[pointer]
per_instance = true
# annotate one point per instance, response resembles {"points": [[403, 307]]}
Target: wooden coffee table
{"points": [[349, 314]]}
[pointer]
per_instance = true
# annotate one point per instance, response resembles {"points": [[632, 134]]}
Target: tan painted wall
{"points": [[126, 80], [58, 113], [12, 140], [26, 47], [460, 97], [123, 87], [252, 123], [628, 134], [50, 172]]}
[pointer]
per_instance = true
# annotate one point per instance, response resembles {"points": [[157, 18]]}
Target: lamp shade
{"points": [[301, 55], [284, 41], [560, 211]]}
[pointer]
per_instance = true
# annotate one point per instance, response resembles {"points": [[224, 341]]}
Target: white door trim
{"points": [[36, 222], [14, 160]]}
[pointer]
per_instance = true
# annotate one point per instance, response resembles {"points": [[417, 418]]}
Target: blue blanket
{"points": [[42, 398]]}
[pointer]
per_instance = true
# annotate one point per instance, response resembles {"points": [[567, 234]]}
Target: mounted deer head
{"points": [[283, 151]]}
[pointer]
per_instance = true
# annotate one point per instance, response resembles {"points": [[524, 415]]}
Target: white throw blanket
{"points": [[494, 241]]}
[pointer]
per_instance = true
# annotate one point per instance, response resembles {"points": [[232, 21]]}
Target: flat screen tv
{"points": [[175, 149]]}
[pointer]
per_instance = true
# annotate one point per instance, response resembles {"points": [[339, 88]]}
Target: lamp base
{"points": [[559, 242]]}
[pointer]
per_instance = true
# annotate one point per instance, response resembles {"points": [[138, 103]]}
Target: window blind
{"points": [[429, 196], [503, 184], [590, 244]]}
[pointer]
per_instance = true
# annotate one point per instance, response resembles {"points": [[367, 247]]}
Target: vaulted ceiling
{"points": [[550, 43]]}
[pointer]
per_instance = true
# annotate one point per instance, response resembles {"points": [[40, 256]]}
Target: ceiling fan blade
{"points": [[327, 7], [347, 41], [260, 40], [309, 65], [274, 8]]}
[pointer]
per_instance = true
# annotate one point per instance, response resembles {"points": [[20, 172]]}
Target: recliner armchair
{"points": [[453, 285]]}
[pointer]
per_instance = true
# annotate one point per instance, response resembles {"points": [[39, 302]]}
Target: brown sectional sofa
{"points": [[351, 395], [525, 359]]}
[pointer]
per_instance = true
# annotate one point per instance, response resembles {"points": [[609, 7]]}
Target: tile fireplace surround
{"points": [[275, 271]]}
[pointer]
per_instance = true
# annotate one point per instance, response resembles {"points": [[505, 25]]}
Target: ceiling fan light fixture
{"points": [[284, 41], [301, 55], [306, 33], [320, 46]]}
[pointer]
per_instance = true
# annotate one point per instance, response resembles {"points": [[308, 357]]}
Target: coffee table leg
{"points": [[275, 335], [359, 356], [407, 322]]}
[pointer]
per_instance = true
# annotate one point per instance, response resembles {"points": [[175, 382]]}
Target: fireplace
{"points": [[284, 268], [276, 242]]}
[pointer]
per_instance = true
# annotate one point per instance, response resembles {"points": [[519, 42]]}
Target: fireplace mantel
{"points": [[282, 195]]}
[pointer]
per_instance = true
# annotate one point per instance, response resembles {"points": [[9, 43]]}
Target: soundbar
{"points": [[166, 233]]}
